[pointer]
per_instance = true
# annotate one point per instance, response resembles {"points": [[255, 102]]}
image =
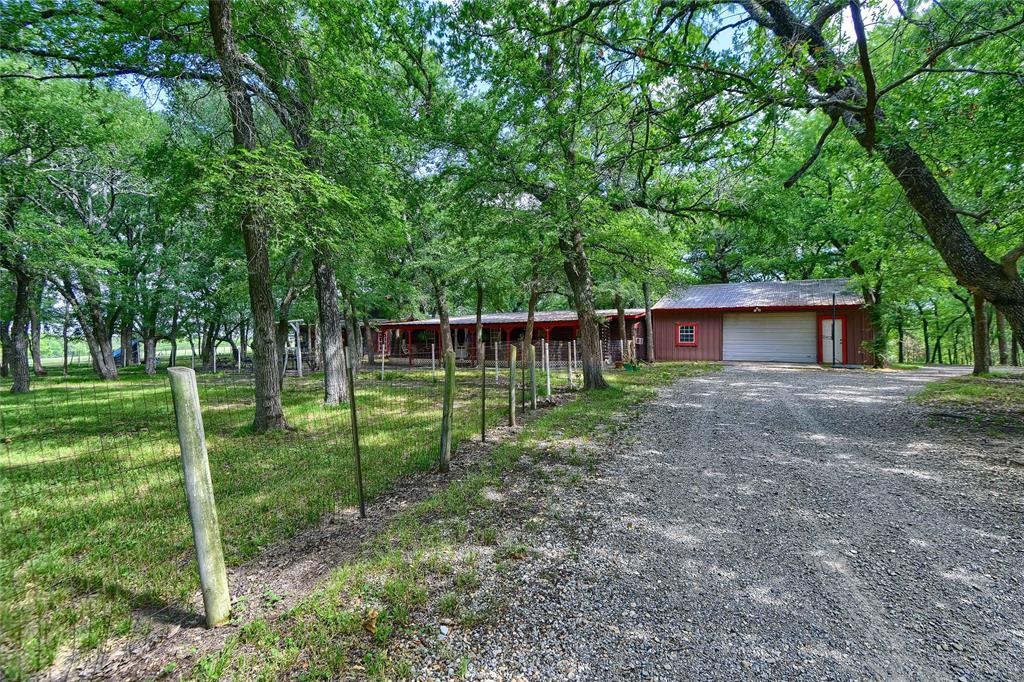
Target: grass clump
{"points": [[1003, 392]]}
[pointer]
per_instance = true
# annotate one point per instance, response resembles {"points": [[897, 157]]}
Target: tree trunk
{"points": [[102, 351], [357, 337], [480, 350], [351, 333], [620, 320], [927, 347], [5, 345], [880, 340], [243, 338], [19, 333], [1015, 344], [1001, 336], [149, 347], [648, 323], [126, 344], [96, 330], [211, 344], [901, 357], [36, 332], [269, 411], [332, 355], [999, 283], [280, 344], [531, 314], [175, 329], [581, 283], [370, 342], [441, 300], [980, 335]]}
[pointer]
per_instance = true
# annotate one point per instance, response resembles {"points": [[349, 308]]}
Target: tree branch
{"points": [[814, 155], [934, 55], [1009, 261], [826, 13], [869, 76]]}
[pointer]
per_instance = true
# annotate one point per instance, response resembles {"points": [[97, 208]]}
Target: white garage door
{"points": [[783, 337]]}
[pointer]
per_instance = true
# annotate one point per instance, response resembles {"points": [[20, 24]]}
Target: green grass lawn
{"points": [[93, 524], [427, 555], [998, 392]]}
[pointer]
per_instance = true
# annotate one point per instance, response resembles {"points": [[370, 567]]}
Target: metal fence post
{"points": [[533, 377], [202, 508], [547, 367], [433, 364], [522, 380], [571, 363], [511, 385], [483, 393], [354, 419], [446, 411]]}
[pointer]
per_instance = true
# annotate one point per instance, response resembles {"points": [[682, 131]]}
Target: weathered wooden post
{"points": [[433, 364], [382, 364], [202, 508], [533, 377], [354, 421], [483, 393], [511, 385], [446, 412], [496, 360]]}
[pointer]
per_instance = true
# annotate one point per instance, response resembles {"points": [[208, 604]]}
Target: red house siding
{"points": [[709, 335], [858, 335]]}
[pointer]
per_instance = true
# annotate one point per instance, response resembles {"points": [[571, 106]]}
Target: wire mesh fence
{"points": [[95, 538]]}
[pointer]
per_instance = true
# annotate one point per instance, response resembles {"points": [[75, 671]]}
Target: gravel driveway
{"points": [[773, 522]]}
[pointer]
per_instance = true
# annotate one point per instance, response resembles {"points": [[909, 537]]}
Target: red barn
{"points": [[765, 321]]}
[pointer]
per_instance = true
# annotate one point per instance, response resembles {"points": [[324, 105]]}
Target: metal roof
{"points": [[805, 293], [540, 317]]}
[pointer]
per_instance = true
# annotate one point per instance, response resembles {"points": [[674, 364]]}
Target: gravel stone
{"points": [[770, 522]]}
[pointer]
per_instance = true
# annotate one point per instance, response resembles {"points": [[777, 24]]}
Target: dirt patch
{"points": [[278, 579]]}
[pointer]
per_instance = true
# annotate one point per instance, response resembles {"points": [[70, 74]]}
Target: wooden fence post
{"points": [[446, 412], [533, 377], [511, 385], [202, 508]]}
